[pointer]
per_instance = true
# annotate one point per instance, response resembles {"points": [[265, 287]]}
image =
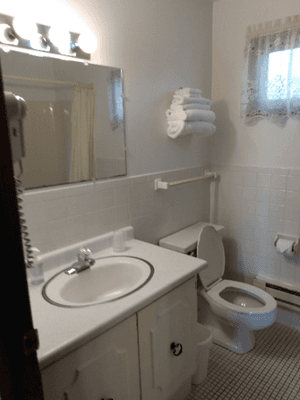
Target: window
{"points": [[115, 99], [283, 75], [271, 75]]}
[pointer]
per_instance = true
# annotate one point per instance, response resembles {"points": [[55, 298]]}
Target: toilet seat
{"points": [[210, 248], [214, 295]]}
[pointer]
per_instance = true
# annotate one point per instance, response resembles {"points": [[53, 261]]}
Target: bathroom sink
{"points": [[110, 278]]}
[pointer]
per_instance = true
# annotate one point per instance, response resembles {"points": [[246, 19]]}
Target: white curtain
{"points": [[83, 143], [271, 72]]}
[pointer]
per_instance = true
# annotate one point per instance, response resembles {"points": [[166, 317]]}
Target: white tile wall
{"points": [[61, 216], [255, 203]]}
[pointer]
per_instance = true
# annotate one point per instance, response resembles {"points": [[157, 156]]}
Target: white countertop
{"points": [[62, 330]]}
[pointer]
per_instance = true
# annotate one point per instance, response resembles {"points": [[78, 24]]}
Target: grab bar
{"points": [[158, 184]]}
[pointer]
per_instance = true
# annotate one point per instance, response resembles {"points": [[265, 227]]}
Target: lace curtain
{"points": [[115, 101], [271, 72]]}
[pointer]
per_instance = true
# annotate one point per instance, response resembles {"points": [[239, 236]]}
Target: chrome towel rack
{"points": [[158, 184]]}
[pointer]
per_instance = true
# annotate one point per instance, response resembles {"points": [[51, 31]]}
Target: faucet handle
{"points": [[84, 254]]}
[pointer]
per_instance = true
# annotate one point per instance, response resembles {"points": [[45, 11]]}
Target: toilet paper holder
{"points": [[295, 240]]}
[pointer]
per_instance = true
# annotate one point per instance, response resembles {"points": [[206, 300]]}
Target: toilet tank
{"points": [[185, 241]]}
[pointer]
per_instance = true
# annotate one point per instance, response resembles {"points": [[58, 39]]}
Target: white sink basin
{"points": [[110, 278]]}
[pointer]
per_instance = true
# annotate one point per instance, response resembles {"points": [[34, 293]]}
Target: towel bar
{"points": [[158, 184]]}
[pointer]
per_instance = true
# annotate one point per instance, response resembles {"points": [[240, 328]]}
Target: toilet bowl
{"points": [[231, 310]]}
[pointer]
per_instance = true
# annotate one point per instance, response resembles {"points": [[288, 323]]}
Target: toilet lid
{"points": [[210, 248]]}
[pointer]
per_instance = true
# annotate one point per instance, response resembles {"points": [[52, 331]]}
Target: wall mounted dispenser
{"points": [[286, 244]]}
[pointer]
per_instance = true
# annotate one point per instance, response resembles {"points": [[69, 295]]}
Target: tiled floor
{"points": [[270, 371]]}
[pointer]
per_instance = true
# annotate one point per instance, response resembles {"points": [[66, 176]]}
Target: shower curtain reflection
{"points": [[59, 131], [83, 164]]}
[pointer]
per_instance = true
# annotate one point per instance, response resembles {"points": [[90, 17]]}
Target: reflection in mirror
{"points": [[74, 127]]}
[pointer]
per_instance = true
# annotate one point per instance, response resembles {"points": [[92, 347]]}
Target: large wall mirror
{"points": [[74, 127]]}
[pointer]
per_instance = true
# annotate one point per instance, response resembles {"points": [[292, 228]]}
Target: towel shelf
{"points": [[158, 184]]}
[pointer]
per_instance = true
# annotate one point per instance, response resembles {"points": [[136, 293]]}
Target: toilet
{"points": [[231, 310]]}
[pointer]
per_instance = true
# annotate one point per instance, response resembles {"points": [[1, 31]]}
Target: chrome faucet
{"points": [[85, 261]]}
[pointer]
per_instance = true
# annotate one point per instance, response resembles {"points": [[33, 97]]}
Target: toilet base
{"points": [[239, 341]]}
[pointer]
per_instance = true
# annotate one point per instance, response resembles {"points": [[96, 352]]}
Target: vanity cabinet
{"points": [[105, 368], [167, 344], [150, 355]]}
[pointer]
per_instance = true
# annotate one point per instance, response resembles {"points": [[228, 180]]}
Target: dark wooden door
{"points": [[20, 377]]}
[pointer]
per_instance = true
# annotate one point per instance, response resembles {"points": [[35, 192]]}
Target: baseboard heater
{"points": [[287, 295]]}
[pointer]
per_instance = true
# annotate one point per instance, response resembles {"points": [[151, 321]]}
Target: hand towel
{"points": [[178, 128], [191, 106], [188, 100], [188, 92], [191, 115]]}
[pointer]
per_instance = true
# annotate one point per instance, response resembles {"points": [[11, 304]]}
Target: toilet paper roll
{"points": [[285, 246]]}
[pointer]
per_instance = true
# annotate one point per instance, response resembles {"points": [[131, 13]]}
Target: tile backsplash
{"points": [[254, 204], [64, 215]]}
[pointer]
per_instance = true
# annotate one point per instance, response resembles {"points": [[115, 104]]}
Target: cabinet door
{"points": [[171, 319], [105, 368]]}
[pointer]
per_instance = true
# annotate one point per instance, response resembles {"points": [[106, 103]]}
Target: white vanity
{"points": [[141, 346]]}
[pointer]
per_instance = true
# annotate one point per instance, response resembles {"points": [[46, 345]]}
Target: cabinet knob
{"points": [[176, 348]]}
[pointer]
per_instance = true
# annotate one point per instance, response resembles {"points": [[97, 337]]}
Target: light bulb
{"points": [[26, 28], [61, 39], [87, 42]]}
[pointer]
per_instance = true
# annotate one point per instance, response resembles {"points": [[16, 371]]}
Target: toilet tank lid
{"points": [[186, 239]]}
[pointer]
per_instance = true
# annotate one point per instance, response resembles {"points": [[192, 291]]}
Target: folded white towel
{"points": [[191, 106], [177, 128], [191, 115], [189, 100], [188, 92]]}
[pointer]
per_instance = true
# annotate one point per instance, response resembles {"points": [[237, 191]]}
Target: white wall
{"points": [[258, 194], [161, 45], [264, 144]]}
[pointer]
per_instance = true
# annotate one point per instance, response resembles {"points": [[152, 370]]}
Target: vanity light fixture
{"points": [[7, 36], [23, 32], [39, 42], [86, 42]]}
